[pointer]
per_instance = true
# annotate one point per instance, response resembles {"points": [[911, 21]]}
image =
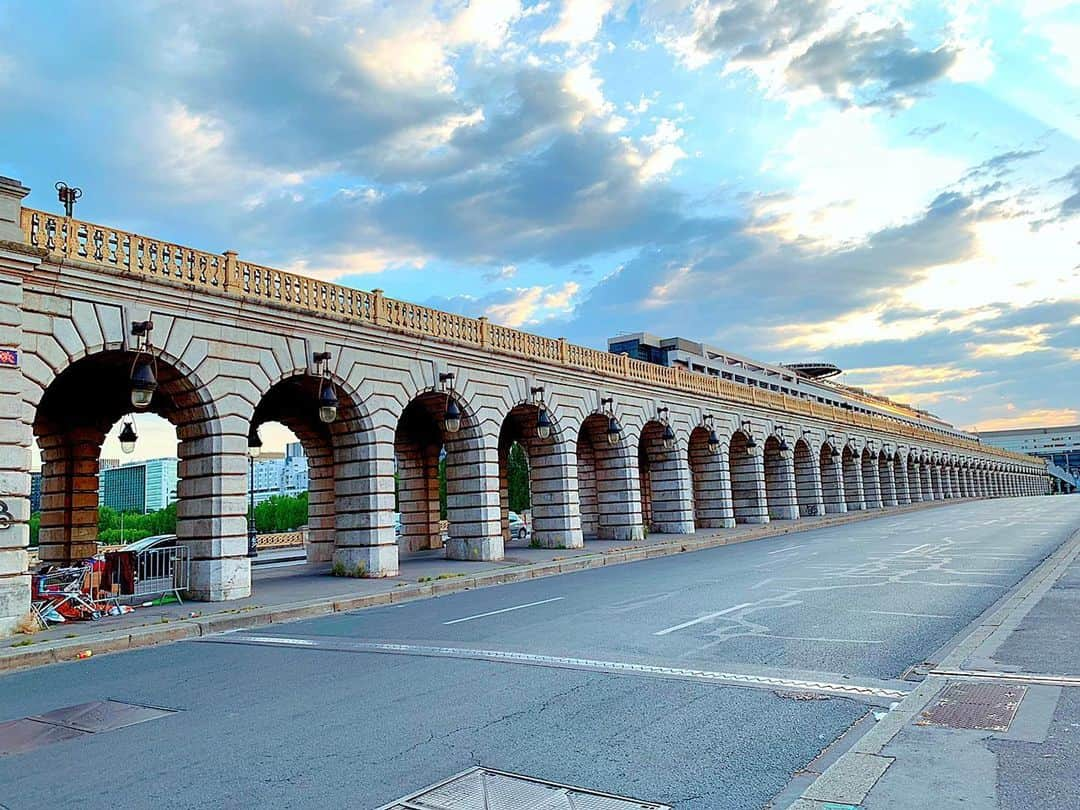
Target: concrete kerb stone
{"points": [[57, 650]]}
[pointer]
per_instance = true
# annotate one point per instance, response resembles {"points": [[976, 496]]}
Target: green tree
{"points": [[517, 478], [35, 528]]}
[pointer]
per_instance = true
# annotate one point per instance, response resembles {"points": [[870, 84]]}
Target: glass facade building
{"points": [[141, 486], [1059, 445]]}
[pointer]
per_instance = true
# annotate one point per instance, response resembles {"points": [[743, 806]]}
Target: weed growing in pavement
{"points": [[339, 570], [26, 642]]}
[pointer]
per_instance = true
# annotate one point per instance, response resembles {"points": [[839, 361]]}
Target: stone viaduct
{"points": [[616, 446]]}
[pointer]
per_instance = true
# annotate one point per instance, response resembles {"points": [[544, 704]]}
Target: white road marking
{"points": [[616, 667], [789, 548], [504, 610], [701, 619], [917, 548], [293, 642], [815, 638], [902, 613]]}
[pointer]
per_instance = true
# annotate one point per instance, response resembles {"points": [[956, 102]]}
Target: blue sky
{"points": [[892, 187]]}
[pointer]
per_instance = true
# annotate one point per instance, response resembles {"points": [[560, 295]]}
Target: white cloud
{"points": [[662, 150], [579, 21], [530, 305], [849, 181]]}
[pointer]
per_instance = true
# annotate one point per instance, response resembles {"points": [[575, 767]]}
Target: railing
{"points": [[135, 254], [279, 540]]}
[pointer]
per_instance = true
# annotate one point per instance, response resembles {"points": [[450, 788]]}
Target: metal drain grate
{"points": [[31, 733], [487, 789], [983, 706]]}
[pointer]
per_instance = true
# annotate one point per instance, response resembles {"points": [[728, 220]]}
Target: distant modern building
{"points": [[140, 486], [803, 380], [35, 491], [281, 474], [1058, 445]]}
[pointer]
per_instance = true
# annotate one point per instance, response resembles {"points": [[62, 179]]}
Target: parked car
{"points": [[518, 529], [147, 543]]}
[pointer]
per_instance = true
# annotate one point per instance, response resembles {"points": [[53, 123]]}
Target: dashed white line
{"points": [[504, 610], [902, 613], [616, 667], [917, 548], [701, 619], [789, 548]]}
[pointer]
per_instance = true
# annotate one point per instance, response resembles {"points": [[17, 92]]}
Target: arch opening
{"points": [[886, 479], [610, 504], [779, 480], [534, 484], [808, 487], [663, 483], [79, 409], [747, 480], [853, 484], [711, 482], [832, 479]]}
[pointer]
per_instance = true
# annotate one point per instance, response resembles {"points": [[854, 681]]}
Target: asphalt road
{"points": [[308, 715]]}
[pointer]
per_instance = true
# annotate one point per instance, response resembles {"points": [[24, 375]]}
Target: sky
{"points": [[893, 187]]}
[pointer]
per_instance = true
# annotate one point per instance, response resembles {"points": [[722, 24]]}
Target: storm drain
{"points": [[487, 789], [983, 706], [31, 733]]}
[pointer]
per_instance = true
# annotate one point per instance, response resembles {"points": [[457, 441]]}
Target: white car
{"points": [[518, 529]]}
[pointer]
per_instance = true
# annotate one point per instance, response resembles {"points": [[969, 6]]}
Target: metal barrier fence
{"points": [[160, 571]]}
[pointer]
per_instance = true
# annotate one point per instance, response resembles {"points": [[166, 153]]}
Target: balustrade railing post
{"points": [[376, 306], [483, 330], [232, 272], [564, 351]]}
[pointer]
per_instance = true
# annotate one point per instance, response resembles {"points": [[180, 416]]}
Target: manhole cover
{"points": [[20, 736], [30, 733], [988, 707], [488, 789], [101, 715]]}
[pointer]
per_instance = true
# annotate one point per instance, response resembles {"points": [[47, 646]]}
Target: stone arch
{"points": [[664, 483], [870, 478], [832, 479], [553, 490], [808, 489], [853, 483], [348, 495], [470, 458], [780, 479], [711, 481], [936, 478], [900, 477], [747, 480], [74, 410], [607, 483], [914, 476], [887, 478]]}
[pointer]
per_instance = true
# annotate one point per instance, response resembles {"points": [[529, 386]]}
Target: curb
{"points": [[62, 650], [848, 781]]}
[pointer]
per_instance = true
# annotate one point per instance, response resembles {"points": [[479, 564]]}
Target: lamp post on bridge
{"points": [[254, 450]]}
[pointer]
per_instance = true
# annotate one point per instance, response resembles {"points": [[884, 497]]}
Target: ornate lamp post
{"points": [[254, 451], [67, 195]]}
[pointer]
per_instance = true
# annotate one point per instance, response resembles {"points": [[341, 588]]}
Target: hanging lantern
{"points": [[669, 437], [452, 416], [614, 431], [254, 444], [328, 401], [543, 423], [128, 437], [714, 441]]}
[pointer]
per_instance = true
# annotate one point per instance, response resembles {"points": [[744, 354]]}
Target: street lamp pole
{"points": [[254, 449]]}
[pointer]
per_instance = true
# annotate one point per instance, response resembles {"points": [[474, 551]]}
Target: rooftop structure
{"points": [[801, 380]]}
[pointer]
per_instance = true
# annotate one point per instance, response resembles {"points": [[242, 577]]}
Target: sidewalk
{"points": [[995, 723], [284, 593]]}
